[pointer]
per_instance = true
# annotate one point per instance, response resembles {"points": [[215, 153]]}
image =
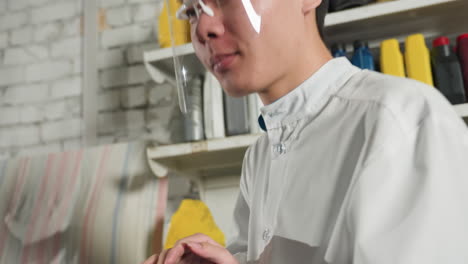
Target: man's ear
{"points": [[309, 5]]}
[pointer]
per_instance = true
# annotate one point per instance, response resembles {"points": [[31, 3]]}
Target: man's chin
{"points": [[236, 92]]}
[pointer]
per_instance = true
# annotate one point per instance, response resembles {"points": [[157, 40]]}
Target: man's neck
{"points": [[310, 63]]}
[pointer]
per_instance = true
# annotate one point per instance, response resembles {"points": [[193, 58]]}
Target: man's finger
{"points": [[178, 250], [200, 238], [151, 260], [174, 255], [212, 253], [162, 256]]}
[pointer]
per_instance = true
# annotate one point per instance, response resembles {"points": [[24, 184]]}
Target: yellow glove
{"points": [[192, 217]]}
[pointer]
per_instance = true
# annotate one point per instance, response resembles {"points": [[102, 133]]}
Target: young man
{"points": [[354, 167]]}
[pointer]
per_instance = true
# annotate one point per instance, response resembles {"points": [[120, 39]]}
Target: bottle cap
{"points": [[440, 41], [462, 36]]}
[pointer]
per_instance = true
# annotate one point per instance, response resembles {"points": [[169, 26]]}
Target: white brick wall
{"points": [[3, 40], [77, 65], [72, 27], [142, 1], [145, 12], [67, 48], [13, 75], [110, 3], [105, 140], [124, 76], [48, 71], [21, 36], [17, 4], [61, 130], [30, 114], [9, 116], [37, 51], [113, 77], [40, 75], [126, 35], [41, 99], [110, 58], [3, 7], [119, 16], [47, 32], [109, 100], [134, 97], [158, 122], [16, 56], [25, 94], [118, 121], [27, 135], [66, 88], [134, 134], [55, 110], [160, 117], [138, 74], [19, 136], [134, 54], [39, 3], [72, 144], [159, 94], [40, 149], [25, 55], [4, 155], [73, 105], [60, 10], [13, 20]]}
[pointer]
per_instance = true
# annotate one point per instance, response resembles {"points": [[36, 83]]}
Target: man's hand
{"points": [[195, 249]]}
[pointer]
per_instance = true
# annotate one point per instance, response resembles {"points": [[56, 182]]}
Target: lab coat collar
{"points": [[307, 98]]}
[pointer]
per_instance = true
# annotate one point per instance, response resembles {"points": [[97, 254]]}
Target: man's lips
{"points": [[222, 62]]}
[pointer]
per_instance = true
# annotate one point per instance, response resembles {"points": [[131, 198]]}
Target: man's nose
{"points": [[209, 27]]}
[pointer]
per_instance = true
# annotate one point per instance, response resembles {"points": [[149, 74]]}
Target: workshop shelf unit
{"points": [[375, 22]]}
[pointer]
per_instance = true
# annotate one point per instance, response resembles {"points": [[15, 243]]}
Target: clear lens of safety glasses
{"points": [[229, 11], [193, 9]]}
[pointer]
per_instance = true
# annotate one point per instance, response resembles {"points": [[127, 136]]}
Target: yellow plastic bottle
{"points": [[417, 58], [181, 28], [391, 59]]}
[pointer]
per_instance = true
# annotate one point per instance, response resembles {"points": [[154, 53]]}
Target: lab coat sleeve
{"points": [[237, 245], [409, 203]]}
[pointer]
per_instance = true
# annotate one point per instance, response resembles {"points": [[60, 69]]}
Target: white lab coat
{"points": [[355, 167]]}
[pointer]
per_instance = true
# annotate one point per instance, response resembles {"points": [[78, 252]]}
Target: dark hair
{"points": [[320, 13]]}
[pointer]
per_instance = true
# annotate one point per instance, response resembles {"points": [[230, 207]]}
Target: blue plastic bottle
{"points": [[338, 50], [362, 56]]}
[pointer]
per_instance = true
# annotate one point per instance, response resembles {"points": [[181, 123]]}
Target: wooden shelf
{"points": [[215, 157], [397, 19], [400, 7], [205, 158]]}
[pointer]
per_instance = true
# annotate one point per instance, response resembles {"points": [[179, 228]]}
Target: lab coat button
{"points": [[279, 148]]}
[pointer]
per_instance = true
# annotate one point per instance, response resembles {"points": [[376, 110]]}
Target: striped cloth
{"points": [[97, 205]]}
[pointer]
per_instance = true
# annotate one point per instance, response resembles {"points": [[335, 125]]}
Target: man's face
{"points": [[243, 60]]}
